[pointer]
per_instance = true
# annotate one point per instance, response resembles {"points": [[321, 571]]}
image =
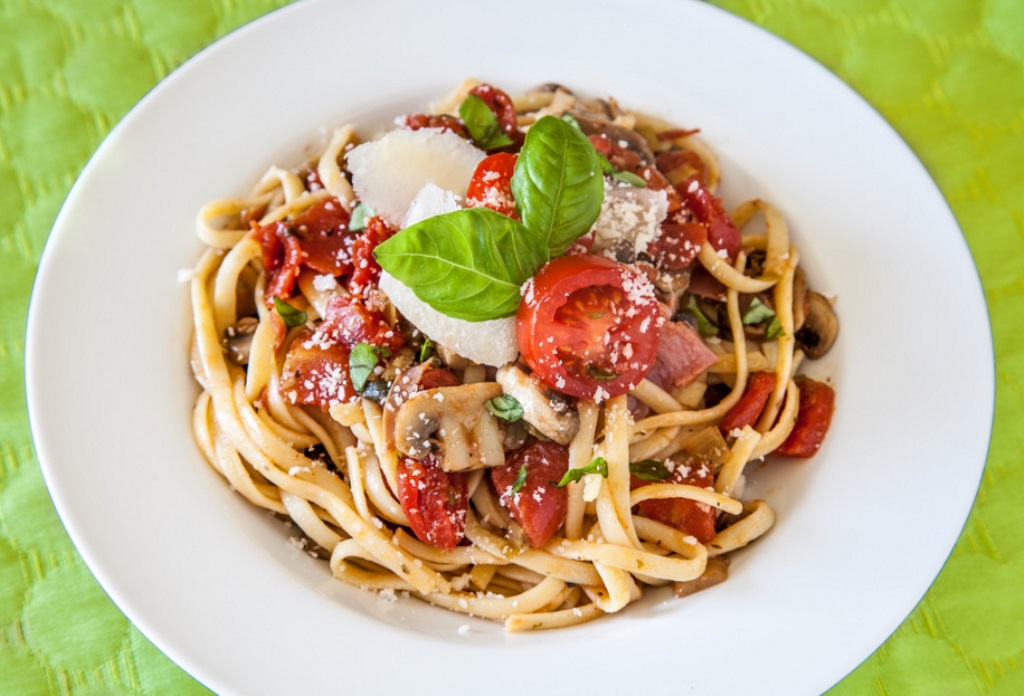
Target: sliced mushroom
{"points": [[238, 340], [454, 421], [543, 408], [799, 299], [820, 326], [716, 571]]}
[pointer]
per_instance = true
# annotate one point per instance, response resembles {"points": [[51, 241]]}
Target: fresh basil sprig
{"points": [[558, 193], [427, 349], [598, 465], [517, 485], [649, 470], [468, 264], [289, 315], [482, 124], [505, 407], [361, 363]]}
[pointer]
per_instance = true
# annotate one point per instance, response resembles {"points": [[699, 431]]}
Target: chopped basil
{"points": [[614, 172], [517, 485], [482, 124], [426, 349], [359, 216], [289, 315], [757, 313], [705, 326], [598, 465], [361, 362], [600, 374], [505, 407], [649, 470]]}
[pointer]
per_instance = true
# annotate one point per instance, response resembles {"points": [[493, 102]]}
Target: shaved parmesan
{"points": [[430, 201], [630, 219], [388, 173], [485, 342]]}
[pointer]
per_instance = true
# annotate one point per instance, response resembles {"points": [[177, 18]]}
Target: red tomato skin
{"points": [[817, 403], [365, 269], [688, 516], [349, 322], [558, 340], [504, 110], [282, 277], [442, 121], [326, 242], [748, 409], [491, 185], [435, 501], [539, 506], [708, 210], [677, 245], [316, 373]]}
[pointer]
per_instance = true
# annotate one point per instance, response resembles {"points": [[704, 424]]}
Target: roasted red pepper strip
{"points": [[817, 402], [708, 209], [748, 409]]}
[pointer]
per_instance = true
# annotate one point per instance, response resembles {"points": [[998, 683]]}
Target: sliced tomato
{"points": [[435, 501], [707, 209], [817, 403], [538, 506], [365, 269], [688, 516], [348, 321], [588, 326], [315, 372], [677, 245], [491, 185], [282, 275], [323, 232], [504, 110], [748, 409]]}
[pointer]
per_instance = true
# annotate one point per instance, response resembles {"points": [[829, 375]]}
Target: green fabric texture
{"points": [[947, 74]]}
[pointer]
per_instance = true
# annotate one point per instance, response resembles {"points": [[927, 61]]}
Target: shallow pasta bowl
{"points": [[863, 528]]}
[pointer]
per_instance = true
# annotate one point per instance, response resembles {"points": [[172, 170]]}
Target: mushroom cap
{"points": [[821, 326]]}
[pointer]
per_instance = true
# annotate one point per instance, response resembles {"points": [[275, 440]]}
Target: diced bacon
{"points": [[682, 356]]}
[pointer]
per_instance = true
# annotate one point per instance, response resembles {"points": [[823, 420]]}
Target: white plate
{"points": [[863, 528]]}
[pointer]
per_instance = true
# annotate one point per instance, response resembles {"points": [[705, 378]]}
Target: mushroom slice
{"points": [[238, 340], [593, 124], [820, 326], [455, 421], [543, 408]]}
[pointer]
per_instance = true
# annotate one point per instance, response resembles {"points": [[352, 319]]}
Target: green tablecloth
{"points": [[948, 74]]}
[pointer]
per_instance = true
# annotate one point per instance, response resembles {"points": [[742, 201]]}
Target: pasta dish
{"points": [[511, 356]]}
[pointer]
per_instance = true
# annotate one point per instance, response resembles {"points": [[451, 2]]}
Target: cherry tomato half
{"points": [[491, 185], [538, 505], [588, 326]]}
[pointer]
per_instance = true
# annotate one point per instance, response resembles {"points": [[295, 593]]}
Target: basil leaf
{"points": [[289, 315], [774, 329], [359, 216], [468, 264], [649, 470], [598, 465], [614, 172], [759, 312], [482, 124], [517, 485], [705, 326], [557, 192], [505, 407], [600, 374], [571, 120], [426, 349], [361, 361]]}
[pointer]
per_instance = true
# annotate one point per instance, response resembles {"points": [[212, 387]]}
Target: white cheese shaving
{"points": [[485, 342], [630, 217], [430, 201]]}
